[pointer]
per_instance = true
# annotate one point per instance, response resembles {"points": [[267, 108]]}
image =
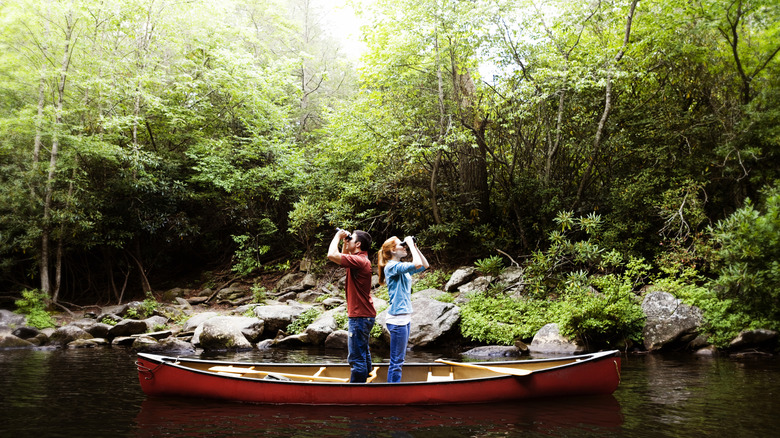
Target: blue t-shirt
{"points": [[399, 284]]}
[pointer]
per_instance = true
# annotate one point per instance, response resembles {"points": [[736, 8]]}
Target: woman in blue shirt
{"points": [[398, 276]]}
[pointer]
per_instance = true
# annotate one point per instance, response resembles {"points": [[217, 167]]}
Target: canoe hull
{"points": [[591, 375]]}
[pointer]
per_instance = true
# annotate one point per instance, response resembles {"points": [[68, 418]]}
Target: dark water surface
{"points": [[95, 392]]}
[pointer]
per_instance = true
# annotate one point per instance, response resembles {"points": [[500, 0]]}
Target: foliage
{"points": [[147, 308], [249, 255], [748, 258], [492, 266], [342, 320], [33, 305], [501, 320], [431, 279], [259, 294], [303, 321]]}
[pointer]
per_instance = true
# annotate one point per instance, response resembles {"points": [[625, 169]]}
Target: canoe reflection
{"points": [[194, 418]]}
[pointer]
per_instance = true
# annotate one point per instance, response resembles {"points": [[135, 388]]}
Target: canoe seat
{"points": [[432, 378]]}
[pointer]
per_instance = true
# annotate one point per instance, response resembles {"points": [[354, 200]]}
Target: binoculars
{"points": [[349, 235], [406, 245]]}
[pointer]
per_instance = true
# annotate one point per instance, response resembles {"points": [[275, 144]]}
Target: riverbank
{"points": [[304, 308]]}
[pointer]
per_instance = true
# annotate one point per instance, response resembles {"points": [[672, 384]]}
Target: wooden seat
{"points": [[432, 378]]}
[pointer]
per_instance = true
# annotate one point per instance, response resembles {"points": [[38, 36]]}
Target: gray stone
{"points": [[11, 320], [9, 341], [669, 321], [460, 277], [128, 327], [337, 340], [432, 322], [224, 333], [753, 339], [67, 334], [549, 340], [494, 351], [278, 317]]}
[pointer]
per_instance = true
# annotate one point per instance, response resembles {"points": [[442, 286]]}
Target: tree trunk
{"points": [[607, 107], [472, 161]]}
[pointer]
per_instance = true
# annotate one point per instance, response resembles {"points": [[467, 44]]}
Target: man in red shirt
{"points": [[360, 306]]}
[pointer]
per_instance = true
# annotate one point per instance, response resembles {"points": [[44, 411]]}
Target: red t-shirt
{"points": [[359, 302]]}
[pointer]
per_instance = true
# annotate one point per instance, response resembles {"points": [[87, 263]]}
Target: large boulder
{"points": [[549, 340], [322, 327], [11, 320], [170, 345], [9, 341], [433, 322], [224, 333], [128, 327], [760, 338], [194, 322], [460, 277], [67, 334], [670, 323], [278, 317]]}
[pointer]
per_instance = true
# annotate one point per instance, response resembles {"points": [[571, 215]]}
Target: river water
{"points": [[95, 392]]}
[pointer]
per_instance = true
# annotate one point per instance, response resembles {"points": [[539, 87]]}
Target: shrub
{"points": [[747, 251], [33, 304], [303, 321]]}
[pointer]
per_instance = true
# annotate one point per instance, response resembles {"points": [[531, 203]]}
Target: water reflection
{"points": [[174, 417]]}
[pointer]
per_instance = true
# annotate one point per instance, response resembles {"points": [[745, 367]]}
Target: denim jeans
{"points": [[359, 355], [399, 337]]}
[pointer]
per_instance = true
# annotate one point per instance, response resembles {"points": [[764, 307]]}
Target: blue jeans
{"points": [[399, 337], [359, 356]]}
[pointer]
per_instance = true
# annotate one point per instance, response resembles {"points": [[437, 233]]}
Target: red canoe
{"points": [[422, 384]]}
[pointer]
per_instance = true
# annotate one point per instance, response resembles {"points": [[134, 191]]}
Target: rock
{"points": [[319, 330], [333, 302], [9, 341], [460, 277], [67, 334], [11, 320], [549, 340], [26, 332], [98, 330], [293, 341], [480, 284], [511, 276], [163, 334], [278, 317], [431, 294], [168, 346], [309, 281], [433, 322], [155, 322], [337, 340], [224, 333], [709, 351], [669, 322], [194, 322], [88, 343], [308, 297], [128, 327], [754, 339], [494, 351], [289, 280]]}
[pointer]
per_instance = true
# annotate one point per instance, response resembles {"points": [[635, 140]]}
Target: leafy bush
{"points": [[431, 280], [33, 304], [748, 258], [147, 308], [492, 266], [501, 320], [303, 321]]}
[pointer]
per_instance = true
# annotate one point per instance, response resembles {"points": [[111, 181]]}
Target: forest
{"points": [[604, 146]]}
